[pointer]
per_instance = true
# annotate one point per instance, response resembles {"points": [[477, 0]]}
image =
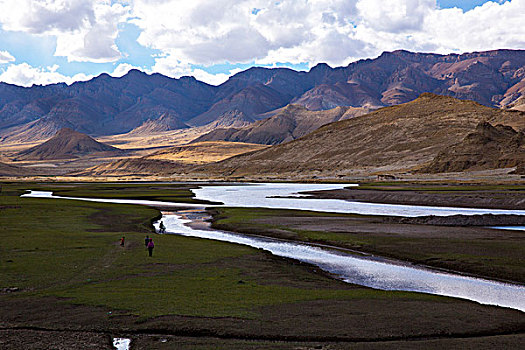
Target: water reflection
{"points": [[267, 195], [370, 272]]}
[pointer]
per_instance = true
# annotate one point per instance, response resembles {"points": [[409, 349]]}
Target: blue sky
{"points": [[462, 4], [48, 41]]}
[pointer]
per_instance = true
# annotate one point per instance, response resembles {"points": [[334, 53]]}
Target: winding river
{"points": [[363, 270]]}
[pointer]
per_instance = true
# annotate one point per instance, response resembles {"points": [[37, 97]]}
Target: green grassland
{"points": [[179, 193], [61, 267], [469, 250], [71, 249]]}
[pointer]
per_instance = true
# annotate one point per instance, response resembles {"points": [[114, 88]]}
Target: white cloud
{"points": [[394, 16], [209, 32], [123, 69], [212, 79], [334, 31], [6, 57], [85, 30], [25, 75], [175, 69]]}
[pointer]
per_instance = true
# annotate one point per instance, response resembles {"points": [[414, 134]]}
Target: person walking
{"points": [[151, 245], [146, 241], [122, 241], [162, 228]]}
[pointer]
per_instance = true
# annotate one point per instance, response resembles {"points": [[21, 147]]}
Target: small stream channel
{"points": [[368, 271]]}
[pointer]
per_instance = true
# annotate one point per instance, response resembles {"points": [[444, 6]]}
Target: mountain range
{"points": [[148, 103]]}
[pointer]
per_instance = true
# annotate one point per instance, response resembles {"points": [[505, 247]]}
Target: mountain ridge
{"points": [[106, 105]]}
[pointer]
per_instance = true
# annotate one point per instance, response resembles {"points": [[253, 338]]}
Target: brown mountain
{"points": [[519, 104], [231, 119], [339, 94], [109, 106], [251, 101], [287, 124], [488, 147], [396, 138], [67, 144]]}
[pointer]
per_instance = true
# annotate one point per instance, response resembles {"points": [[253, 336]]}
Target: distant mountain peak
{"points": [[320, 67], [66, 144]]}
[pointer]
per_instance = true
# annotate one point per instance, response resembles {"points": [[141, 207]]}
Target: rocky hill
{"points": [[397, 138], [67, 144], [285, 125], [107, 106], [488, 147]]}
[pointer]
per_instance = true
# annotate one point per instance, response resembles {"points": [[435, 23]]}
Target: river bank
{"points": [[479, 251], [494, 196]]}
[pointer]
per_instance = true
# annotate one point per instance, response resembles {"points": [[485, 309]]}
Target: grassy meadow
{"points": [[62, 269]]}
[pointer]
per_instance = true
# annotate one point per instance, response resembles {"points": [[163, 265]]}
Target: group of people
{"points": [[148, 242]]}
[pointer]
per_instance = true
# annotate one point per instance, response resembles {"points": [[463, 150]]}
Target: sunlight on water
{"points": [[371, 272], [263, 196], [121, 343]]}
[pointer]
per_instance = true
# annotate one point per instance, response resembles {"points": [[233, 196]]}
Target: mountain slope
{"points": [[204, 152], [287, 124], [488, 147], [393, 138], [165, 122], [67, 144], [101, 106], [251, 101]]}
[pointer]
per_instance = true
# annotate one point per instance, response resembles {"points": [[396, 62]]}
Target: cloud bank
{"points": [[191, 36]]}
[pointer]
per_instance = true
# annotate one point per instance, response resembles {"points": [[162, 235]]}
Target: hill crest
{"points": [[67, 144], [397, 138]]}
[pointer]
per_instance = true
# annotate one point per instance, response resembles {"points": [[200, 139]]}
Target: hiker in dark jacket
{"points": [[151, 245], [162, 228], [146, 241]]}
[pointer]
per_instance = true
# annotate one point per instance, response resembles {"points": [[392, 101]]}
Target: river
{"points": [[367, 271]]}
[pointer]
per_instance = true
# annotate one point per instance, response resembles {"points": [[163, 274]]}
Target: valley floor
{"points": [[65, 280]]}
